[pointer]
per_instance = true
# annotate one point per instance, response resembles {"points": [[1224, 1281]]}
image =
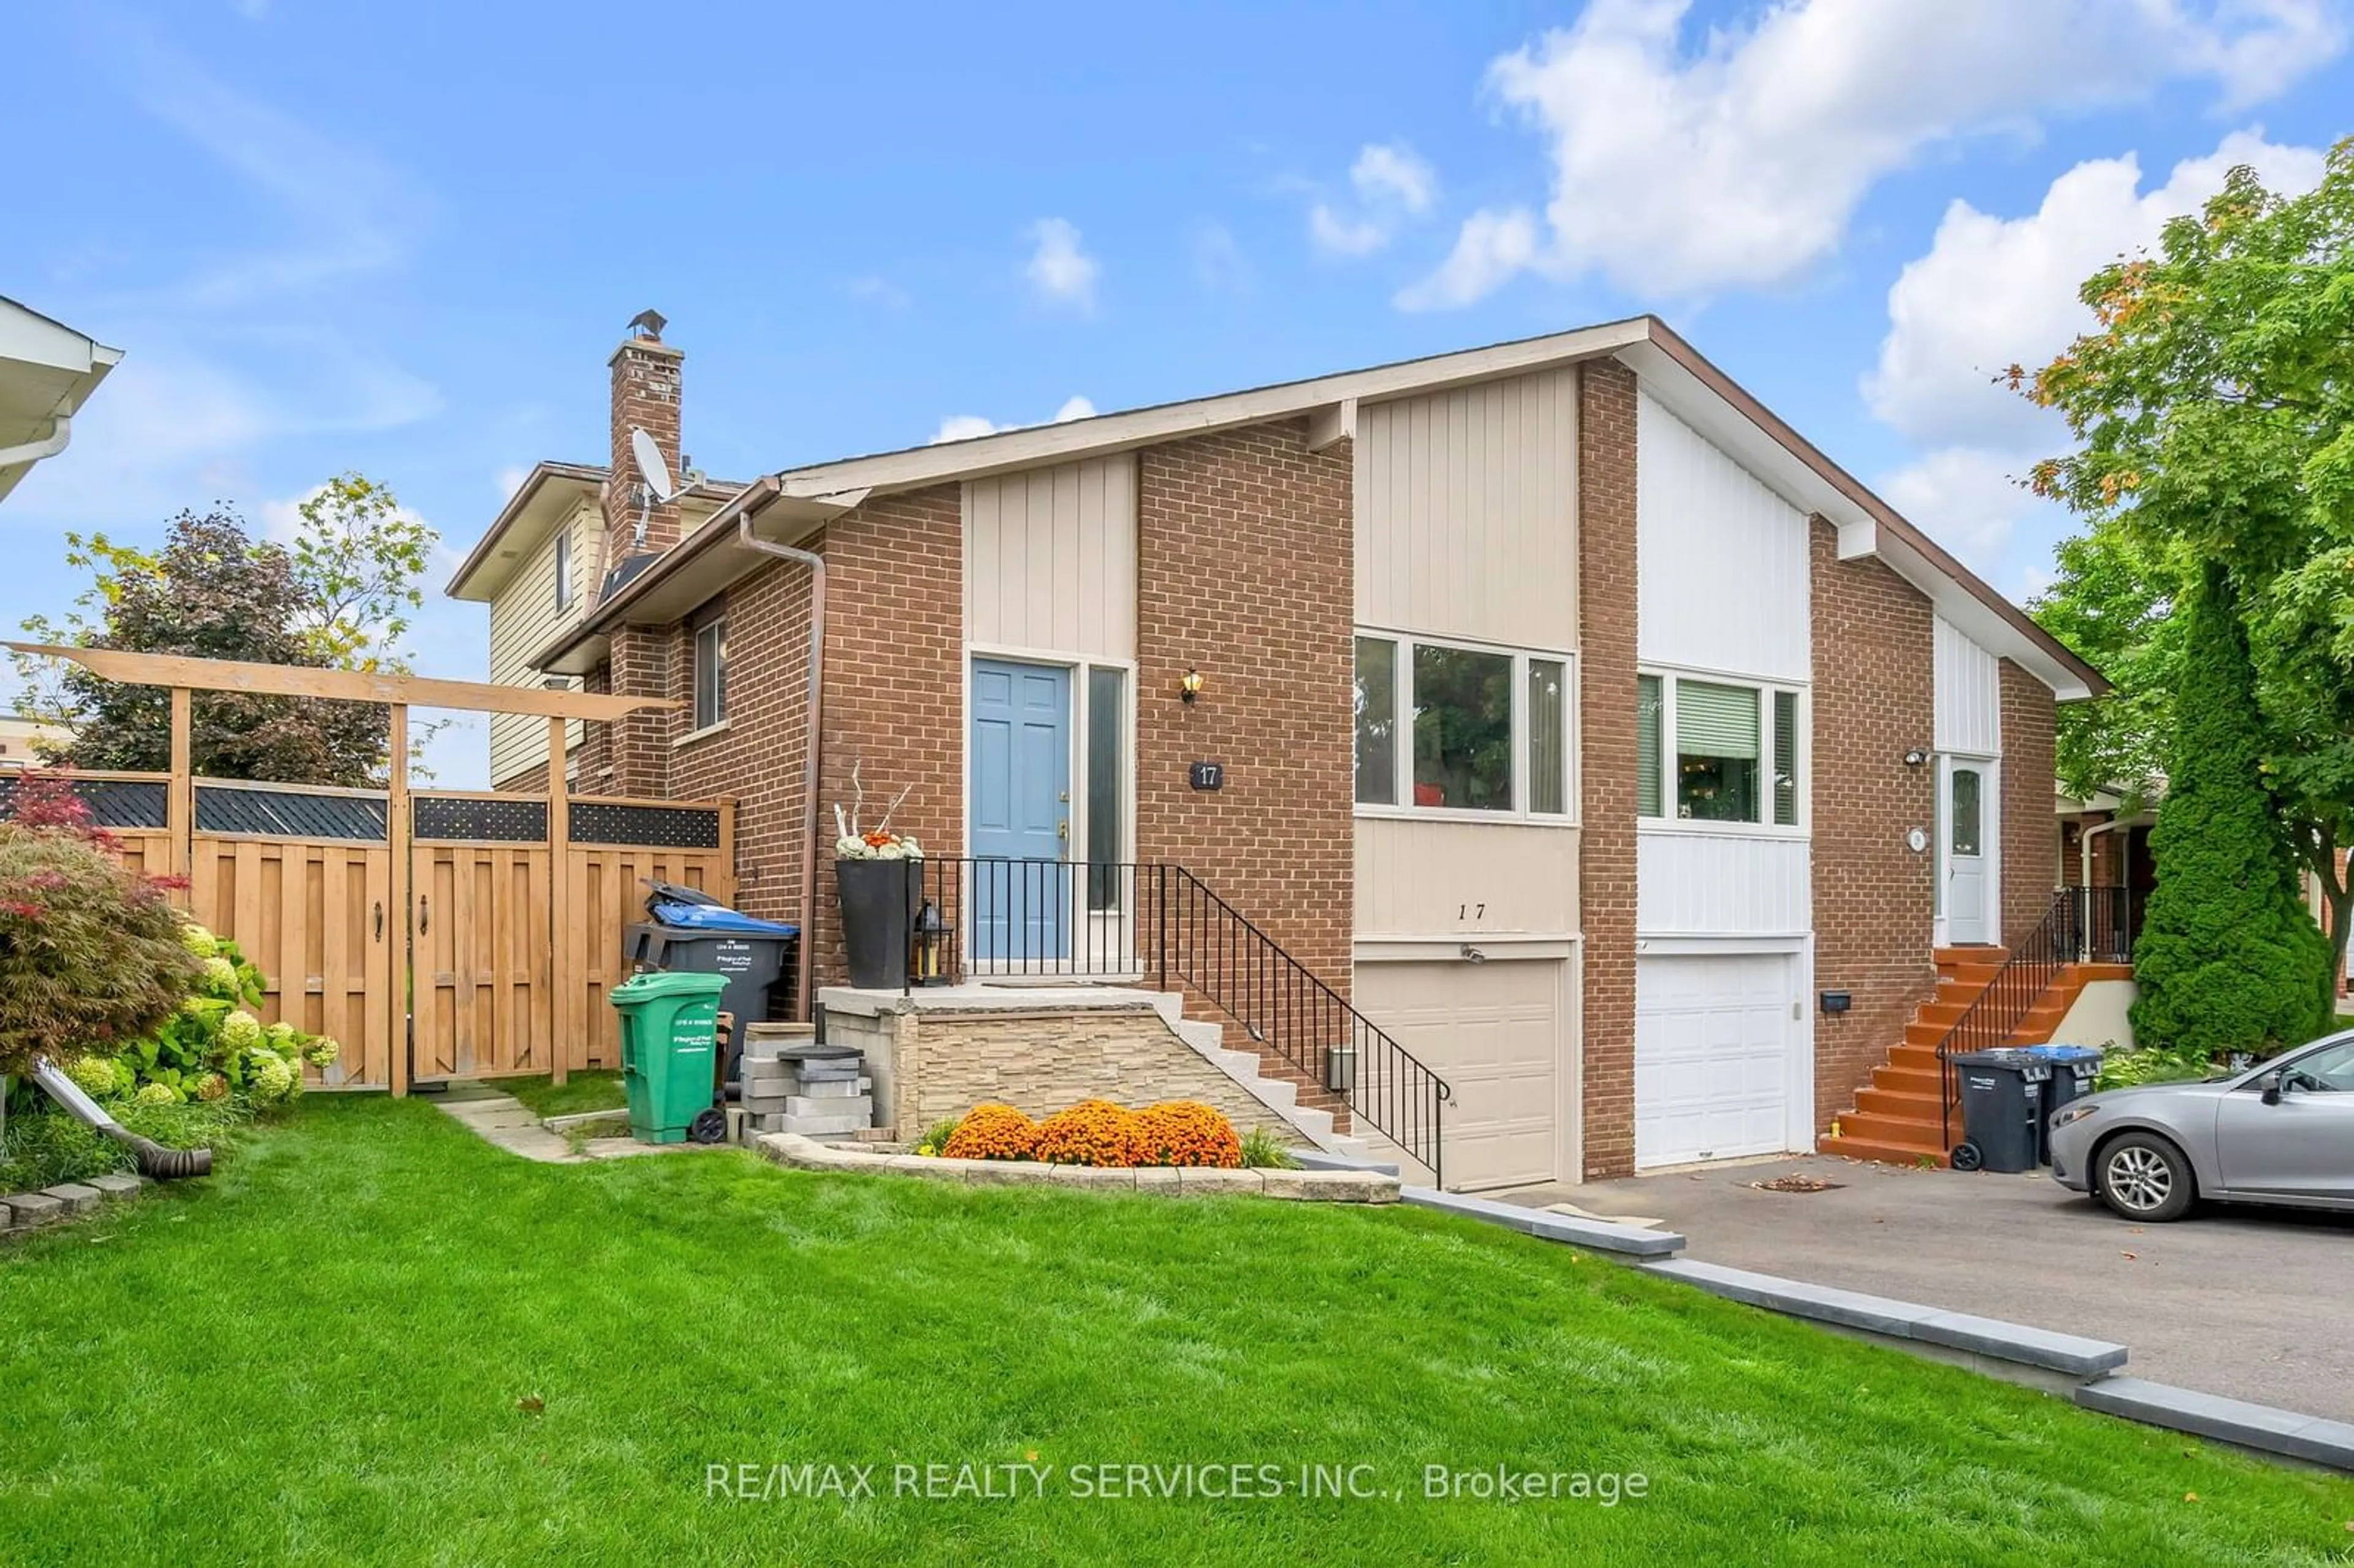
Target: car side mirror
{"points": [[2270, 1086]]}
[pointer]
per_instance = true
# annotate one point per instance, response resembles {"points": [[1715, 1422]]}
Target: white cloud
{"points": [[509, 479], [1337, 236], [1060, 271], [1993, 291], [1491, 248], [966, 427], [1392, 184], [1394, 173], [1737, 158]]}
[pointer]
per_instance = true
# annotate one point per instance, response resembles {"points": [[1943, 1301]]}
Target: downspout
{"points": [[60, 435], [806, 969]]}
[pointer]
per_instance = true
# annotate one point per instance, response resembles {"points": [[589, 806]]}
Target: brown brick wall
{"points": [[1244, 572], [637, 747], [1874, 700], [2030, 837], [1607, 609], [760, 757], [894, 679]]}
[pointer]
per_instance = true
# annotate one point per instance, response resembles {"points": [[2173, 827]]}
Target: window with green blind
{"points": [[1647, 746], [1786, 760], [1714, 751], [1717, 752]]}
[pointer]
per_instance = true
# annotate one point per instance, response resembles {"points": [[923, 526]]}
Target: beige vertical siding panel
{"points": [[524, 620], [1050, 558], [1433, 878], [1467, 513]]}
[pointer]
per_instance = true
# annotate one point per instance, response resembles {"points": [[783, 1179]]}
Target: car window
{"points": [[2330, 1070]]}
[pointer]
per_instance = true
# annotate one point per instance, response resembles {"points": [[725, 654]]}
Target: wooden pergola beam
{"points": [[187, 673]]}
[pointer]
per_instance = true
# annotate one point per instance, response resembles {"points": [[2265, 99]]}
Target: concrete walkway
{"points": [[505, 1122], [2241, 1302]]}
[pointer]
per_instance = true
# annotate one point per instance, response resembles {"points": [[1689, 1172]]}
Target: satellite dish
{"points": [[656, 471]]}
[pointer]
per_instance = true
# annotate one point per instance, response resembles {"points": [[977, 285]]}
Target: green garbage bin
{"points": [[669, 1025]]}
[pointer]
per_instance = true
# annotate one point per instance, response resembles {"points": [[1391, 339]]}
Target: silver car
{"points": [[2281, 1132]]}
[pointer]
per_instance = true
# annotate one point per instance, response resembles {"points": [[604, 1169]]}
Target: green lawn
{"points": [[596, 1090], [375, 1338]]}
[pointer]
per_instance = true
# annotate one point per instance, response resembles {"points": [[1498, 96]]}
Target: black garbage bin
{"points": [[2074, 1070], [2002, 1110], [690, 932]]}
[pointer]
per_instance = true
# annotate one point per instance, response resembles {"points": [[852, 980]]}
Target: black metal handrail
{"points": [[2083, 925], [1155, 922]]}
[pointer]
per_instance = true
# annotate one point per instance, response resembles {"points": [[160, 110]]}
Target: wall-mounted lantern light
{"points": [[1189, 686]]}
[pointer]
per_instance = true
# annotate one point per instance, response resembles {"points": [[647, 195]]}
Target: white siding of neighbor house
{"points": [[1721, 884], [1722, 565], [1969, 694], [1050, 559], [1464, 879], [1722, 588], [524, 620], [1466, 526], [1466, 512]]}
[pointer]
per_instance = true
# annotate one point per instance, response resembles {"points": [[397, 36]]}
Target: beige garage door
{"points": [[1494, 1031]]}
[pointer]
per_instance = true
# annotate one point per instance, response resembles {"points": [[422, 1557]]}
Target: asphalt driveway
{"points": [[2249, 1304]]}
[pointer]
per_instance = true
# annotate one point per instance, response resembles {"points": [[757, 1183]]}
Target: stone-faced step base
{"points": [[1167, 1180]]}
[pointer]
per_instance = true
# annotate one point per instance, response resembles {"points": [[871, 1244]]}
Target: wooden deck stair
{"points": [[1897, 1117]]}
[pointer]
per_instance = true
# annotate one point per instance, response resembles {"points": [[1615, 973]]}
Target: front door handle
{"points": [[1062, 831]]}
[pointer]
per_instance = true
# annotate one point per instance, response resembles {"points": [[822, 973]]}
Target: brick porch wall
{"points": [[1244, 563], [1607, 609], [1874, 700], [894, 679], [2031, 833]]}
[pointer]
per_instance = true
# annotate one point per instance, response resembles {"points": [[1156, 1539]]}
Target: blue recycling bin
{"points": [[2074, 1070]]}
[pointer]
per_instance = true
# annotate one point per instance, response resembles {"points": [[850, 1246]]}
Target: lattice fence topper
{"points": [[289, 813], [114, 803], [457, 818], [662, 827]]}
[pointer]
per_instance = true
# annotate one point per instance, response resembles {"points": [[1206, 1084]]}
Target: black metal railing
{"points": [[1159, 924], [2083, 925]]}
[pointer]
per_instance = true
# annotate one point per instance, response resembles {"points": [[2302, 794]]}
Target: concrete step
{"points": [[1908, 1080], [1921, 1137], [1951, 958], [1902, 1104]]}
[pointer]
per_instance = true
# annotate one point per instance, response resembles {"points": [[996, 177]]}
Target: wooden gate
{"points": [[435, 934]]}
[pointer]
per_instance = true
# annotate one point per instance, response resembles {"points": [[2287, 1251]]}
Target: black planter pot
{"points": [[879, 899]]}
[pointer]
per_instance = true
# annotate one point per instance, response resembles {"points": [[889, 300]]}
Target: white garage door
{"points": [[1494, 1031], [1713, 1043]]}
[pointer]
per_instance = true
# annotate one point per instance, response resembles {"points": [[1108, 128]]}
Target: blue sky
{"points": [[403, 238]]}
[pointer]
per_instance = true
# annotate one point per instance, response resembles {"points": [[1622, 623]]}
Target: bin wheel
{"points": [[709, 1126], [1968, 1156]]}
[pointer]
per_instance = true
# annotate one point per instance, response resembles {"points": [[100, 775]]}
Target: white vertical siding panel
{"points": [[1467, 513], [1969, 694], [1050, 558], [1719, 885], [1721, 567]]}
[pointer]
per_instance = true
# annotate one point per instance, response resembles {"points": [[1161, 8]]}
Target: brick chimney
{"points": [[646, 398]]}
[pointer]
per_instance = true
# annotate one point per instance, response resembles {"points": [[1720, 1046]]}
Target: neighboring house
{"points": [[1601, 739], [21, 735], [46, 371]]}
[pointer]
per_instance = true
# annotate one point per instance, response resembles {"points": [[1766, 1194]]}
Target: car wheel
{"points": [[2144, 1176]]}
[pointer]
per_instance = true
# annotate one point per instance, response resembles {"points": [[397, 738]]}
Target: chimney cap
{"points": [[648, 324]]}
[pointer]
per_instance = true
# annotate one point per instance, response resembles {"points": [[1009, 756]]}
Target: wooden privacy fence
{"points": [[435, 933], [513, 932]]}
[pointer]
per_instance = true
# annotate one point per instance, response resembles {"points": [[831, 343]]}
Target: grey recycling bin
{"points": [[2074, 1070], [693, 933], [2003, 1110]]}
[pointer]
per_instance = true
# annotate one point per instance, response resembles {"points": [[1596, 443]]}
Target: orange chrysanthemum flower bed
{"points": [[1186, 1132], [993, 1132], [1093, 1132]]}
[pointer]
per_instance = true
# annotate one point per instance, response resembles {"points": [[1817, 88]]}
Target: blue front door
{"points": [[1021, 810]]}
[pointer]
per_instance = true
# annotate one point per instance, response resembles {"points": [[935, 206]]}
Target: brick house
{"points": [[1588, 730]]}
